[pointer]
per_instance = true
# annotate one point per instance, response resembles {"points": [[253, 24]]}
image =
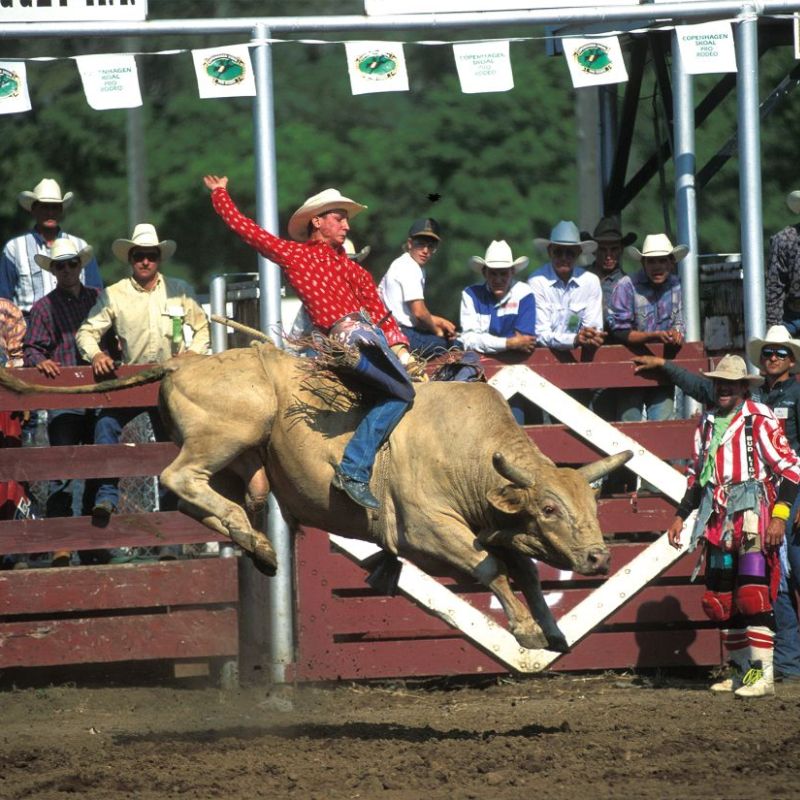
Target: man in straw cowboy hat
{"points": [[607, 264], [343, 302], [646, 307], [402, 288], [778, 357], [22, 280], [149, 313], [50, 346], [743, 479], [783, 273], [569, 301]]}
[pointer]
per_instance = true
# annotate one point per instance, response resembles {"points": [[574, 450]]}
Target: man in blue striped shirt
{"points": [[22, 280]]}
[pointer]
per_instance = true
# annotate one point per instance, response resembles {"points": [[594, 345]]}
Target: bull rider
{"points": [[343, 302]]}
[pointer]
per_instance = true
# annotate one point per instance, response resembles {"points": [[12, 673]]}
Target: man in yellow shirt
{"points": [[150, 315]]}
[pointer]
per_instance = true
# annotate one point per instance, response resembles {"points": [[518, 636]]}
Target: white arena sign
{"points": [[377, 8], [73, 10]]}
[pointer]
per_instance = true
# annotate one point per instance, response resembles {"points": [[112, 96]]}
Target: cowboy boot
{"points": [[735, 642]]}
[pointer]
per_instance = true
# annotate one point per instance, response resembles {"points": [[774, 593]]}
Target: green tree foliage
{"points": [[503, 164]]}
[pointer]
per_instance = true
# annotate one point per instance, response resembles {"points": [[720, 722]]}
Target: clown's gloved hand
{"points": [[415, 367], [402, 352]]}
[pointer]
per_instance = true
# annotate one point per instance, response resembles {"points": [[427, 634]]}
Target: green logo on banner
{"points": [[9, 83], [594, 58], [224, 69], [377, 65]]}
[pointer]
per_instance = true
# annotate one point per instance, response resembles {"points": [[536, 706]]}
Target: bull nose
{"points": [[599, 560]]}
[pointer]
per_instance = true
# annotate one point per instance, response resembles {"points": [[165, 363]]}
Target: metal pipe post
{"points": [[752, 230], [217, 297], [607, 132], [281, 631]]}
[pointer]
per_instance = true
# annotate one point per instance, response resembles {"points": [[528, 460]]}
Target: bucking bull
{"points": [[460, 483]]}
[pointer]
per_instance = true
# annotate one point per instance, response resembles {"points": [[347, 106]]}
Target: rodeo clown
{"points": [[740, 456], [342, 301]]}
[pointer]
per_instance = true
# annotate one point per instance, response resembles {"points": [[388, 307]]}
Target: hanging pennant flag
{"points": [[110, 80], [224, 72], [707, 47], [14, 95], [595, 62], [376, 67], [483, 67]]}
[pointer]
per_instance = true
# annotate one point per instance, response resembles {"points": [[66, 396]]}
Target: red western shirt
{"points": [[329, 283]]}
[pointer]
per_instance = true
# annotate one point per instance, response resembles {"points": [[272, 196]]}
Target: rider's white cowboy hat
{"points": [[326, 200], [733, 368], [777, 336], [658, 244], [498, 256], [566, 233], [350, 251], [46, 191], [144, 235], [793, 201], [64, 249]]}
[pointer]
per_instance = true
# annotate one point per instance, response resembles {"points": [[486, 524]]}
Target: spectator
{"points": [[149, 314], [402, 289], [646, 307], [743, 480], [779, 358], [569, 300], [21, 279], [49, 346], [500, 313], [783, 273]]}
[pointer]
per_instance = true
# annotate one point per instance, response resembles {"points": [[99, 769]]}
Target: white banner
{"points": [[376, 67], [110, 80], [594, 62], [73, 10], [14, 95], [377, 8], [483, 67], [707, 48], [224, 72]]}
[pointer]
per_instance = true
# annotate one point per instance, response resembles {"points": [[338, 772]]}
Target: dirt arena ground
{"points": [[610, 736]]}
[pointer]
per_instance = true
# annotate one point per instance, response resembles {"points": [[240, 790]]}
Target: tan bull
{"points": [[460, 483]]}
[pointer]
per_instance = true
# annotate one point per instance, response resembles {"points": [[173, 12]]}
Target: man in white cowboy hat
{"points": [[402, 288], [569, 300], [743, 479], [607, 264], [342, 301], [150, 314], [783, 273], [646, 307], [50, 346], [22, 280], [778, 358]]}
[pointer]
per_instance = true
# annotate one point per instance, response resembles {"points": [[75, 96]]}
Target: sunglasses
{"points": [[73, 263], [150, 255], [777, 352], [565, 252], [422, 243]]}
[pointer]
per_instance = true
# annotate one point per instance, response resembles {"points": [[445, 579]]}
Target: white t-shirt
{"points": [[403, 282]]}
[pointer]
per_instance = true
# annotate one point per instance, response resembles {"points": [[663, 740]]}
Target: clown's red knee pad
{"points": [[717, 605], [752, 600]]}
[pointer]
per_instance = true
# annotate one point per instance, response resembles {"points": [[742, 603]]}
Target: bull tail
{"points": [[17, 385]]}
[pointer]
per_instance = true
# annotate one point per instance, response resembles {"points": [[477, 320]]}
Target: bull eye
{"points": [[549, 510]]}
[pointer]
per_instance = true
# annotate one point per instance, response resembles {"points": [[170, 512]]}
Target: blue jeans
{"points": [[427, 344], [69, 497], [108, 430], [787, 633], [791, 321], [659, 401]]}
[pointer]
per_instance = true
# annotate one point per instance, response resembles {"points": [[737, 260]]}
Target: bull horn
{"points": [[599, 469], [519, 477]]}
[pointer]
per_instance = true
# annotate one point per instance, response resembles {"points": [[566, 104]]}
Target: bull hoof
{"points": [[265, 559], [558, 644], [265, 567], [531, 641]]}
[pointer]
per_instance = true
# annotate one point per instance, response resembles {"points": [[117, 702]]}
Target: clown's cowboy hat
{"points": [[498, 256], [64, 249], [144, 235], [327, 200], [609, 229], [350, 251], [658, 244], [793, 201], [566, 233], [46, 191], [777, 336], [733, 368]]}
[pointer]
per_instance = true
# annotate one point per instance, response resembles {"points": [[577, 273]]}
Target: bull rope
{"points": [[238, 326]]}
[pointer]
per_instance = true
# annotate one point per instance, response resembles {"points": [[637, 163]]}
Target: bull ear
{"points": [[507, 499]]}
